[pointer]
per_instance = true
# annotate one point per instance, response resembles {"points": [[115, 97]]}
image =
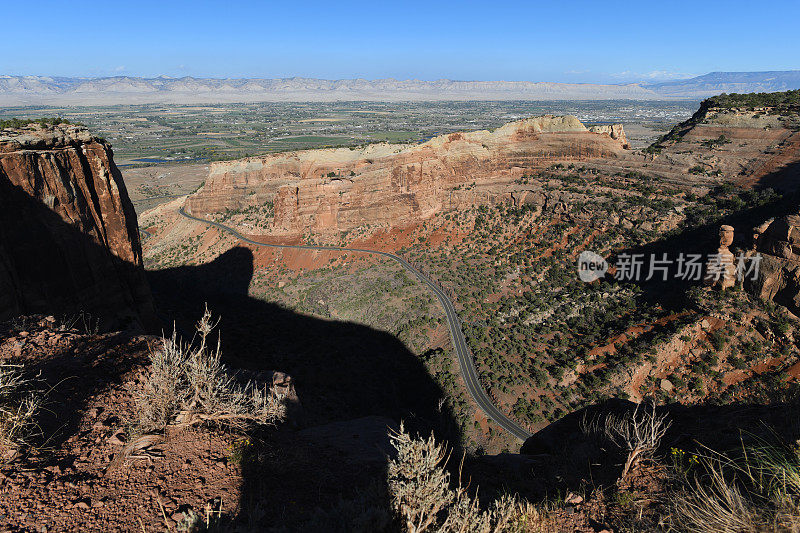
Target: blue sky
{"points": [[567, 41]]}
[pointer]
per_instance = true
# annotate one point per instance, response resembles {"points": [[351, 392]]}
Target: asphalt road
{"points": [[465, 361]]}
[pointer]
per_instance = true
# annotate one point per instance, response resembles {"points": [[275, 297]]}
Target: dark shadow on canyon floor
{"points": [[562, 457], [348, 372], [345, 371], [39, 255], [786, 178], [342, 372]]}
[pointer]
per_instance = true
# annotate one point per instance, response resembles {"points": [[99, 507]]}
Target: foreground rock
{"points": [[89, 383], [69, 239]]}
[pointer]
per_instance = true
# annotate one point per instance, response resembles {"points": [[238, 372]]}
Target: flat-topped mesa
{"points": [[342, 188], [751, 139], [40, 137], [69, 239]]}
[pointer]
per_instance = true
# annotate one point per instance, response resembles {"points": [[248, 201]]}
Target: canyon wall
{"points": [[777, 241], [69, 239], [752, 146], [342, 188]]}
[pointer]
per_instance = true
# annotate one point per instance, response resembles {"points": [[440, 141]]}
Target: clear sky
{"points": [[558, 40]]}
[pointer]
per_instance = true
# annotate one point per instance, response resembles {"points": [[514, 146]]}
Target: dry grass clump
{"points": [[189, 385], [758, 492], [18, 407], [420, 493], [638, 432]]}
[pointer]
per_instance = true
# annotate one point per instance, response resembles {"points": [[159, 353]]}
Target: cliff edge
{"points": [[69, 239]]}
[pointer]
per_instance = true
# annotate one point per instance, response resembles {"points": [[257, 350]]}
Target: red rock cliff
{"points": [[342, 188], [69, 239]]}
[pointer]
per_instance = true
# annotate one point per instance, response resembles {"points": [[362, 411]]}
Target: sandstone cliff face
{"points": [[721, 268], [615, 131], [69, 239], [339, 189], [778, 243], [754, 146]]}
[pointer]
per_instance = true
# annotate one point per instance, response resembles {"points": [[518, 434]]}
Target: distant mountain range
{"points": [[716, 83], [43, 90]]}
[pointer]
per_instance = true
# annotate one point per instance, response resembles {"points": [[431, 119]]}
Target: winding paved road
{"points": [[465, 361]]}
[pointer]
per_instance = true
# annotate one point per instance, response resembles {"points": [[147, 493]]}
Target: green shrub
{"points": [[15, 123]]}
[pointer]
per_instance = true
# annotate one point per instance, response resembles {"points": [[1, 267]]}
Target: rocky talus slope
{"points": [[340, 189], [69, 240]]}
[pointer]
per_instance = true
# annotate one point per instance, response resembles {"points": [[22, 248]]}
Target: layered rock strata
{"points": [[721, 268], [343, 188], [69, 240], [777, 242]]}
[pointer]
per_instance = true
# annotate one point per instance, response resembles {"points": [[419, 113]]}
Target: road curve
{"points": [[465, 361]]}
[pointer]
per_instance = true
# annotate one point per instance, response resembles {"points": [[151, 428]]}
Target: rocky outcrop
{"points": [[720, 268], [615, 131], [778, 279], [339, 189], [69, 239], [752, 146]]}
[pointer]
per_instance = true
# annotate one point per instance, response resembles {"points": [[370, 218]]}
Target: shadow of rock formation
{"points": [[49, 266], [786, 178], [71, 369], [570, 455], [353, 381]]}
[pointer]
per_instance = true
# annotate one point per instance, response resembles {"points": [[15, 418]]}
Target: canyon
{"points": [[336, 190], [496, 220], [520, 200]]}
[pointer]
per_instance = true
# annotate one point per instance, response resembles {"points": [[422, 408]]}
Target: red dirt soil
{"points": [[67, 484]]}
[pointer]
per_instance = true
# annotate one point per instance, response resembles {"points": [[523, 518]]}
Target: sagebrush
{"points": [[189, 385], [421, 495], [638, 432]]}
